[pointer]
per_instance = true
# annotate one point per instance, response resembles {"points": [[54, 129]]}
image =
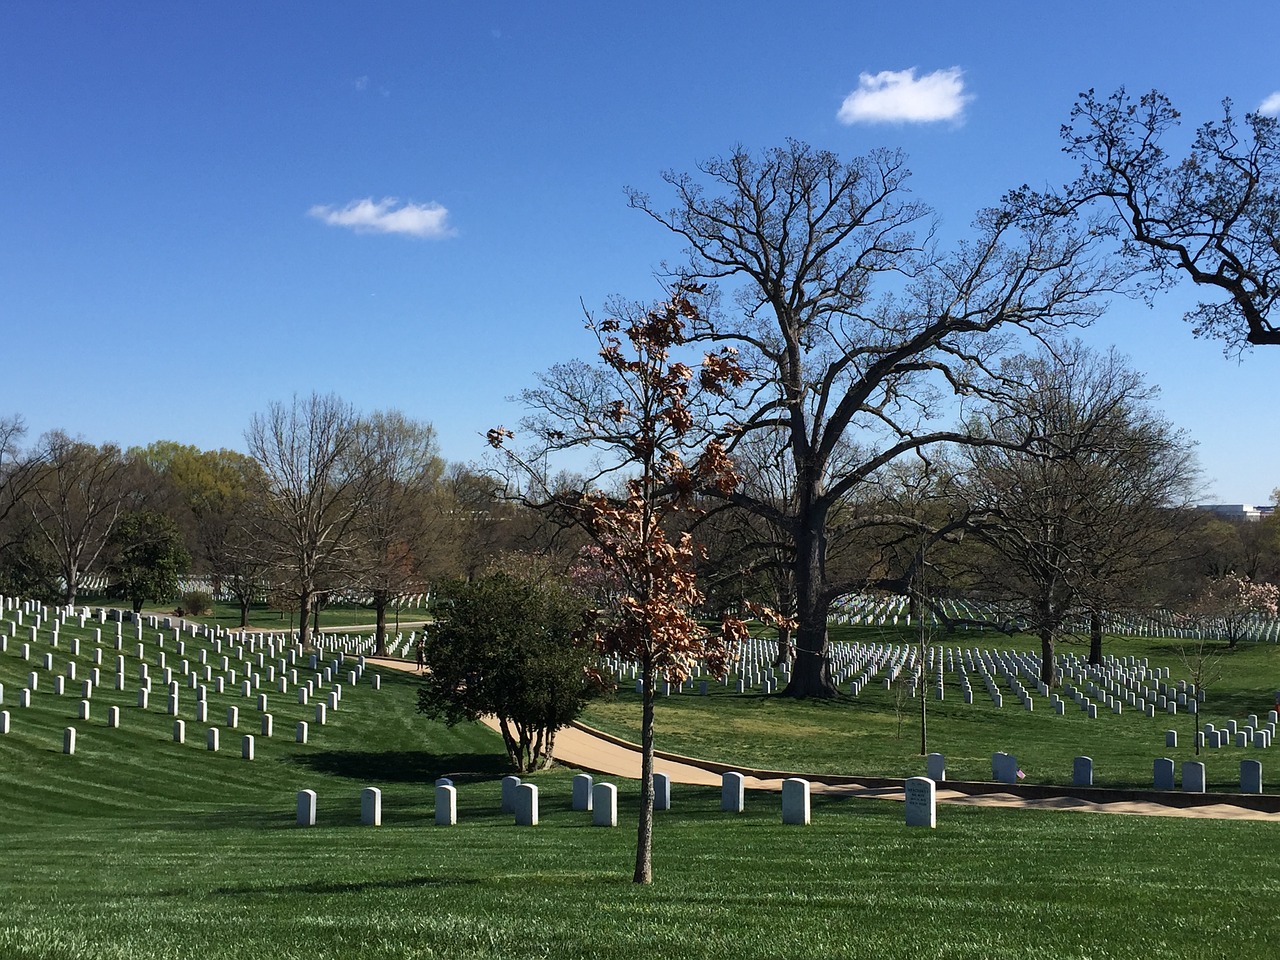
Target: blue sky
{"points": [[210, 206]]}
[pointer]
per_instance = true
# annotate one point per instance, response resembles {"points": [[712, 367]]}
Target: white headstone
{"points": [[211, 739], [1250, 776], [301, 736], [936, 767], [246, 746], [582, 792], [446, 805], [526, 805], [371, 807], [510, 785], [268, 725], [1162, 773], [69, 740], [604, 805], [179, 731], [661, 791], [732, 792], [795, 801], [1082, 772], [306, 808], [921, 796], [1193, 777]]}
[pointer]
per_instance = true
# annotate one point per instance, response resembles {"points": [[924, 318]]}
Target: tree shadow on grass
{"points": [[405, 883], [409, 766]]}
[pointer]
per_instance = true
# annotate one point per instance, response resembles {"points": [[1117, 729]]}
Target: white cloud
{"points": [[429, 220], [898, 96], [362, 84], [1271, 105]]}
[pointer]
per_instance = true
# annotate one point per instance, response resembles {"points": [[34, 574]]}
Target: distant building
{"points": [[1238, 512]]}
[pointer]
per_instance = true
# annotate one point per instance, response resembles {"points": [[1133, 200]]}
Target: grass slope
{"points": [[138, 847], [865, 735]]}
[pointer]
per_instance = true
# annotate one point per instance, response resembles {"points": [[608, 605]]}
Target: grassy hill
{"points": [[140, 847]]}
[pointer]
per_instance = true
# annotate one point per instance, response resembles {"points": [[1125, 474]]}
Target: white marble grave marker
{"points": [[446, 805], [510, 784], [1193, 777], [211, 739], [921, 795], [604, 805], [732, 792], [301, 736], [371, 807], [936, 767], [795, 801], [527, 805], [246, 746], [306, 808], [1082, 772], [582, 792], [179, 731], [1250, 776], [661, 791]]}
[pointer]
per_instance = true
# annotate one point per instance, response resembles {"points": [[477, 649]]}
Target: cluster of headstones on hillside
{"points": [[894, 611], [77, 651], [1111, 687]]}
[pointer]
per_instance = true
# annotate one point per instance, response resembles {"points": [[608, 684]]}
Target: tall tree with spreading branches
{"points": [[853, 377], [651, 413]]}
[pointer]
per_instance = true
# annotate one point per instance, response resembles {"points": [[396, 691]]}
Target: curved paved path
{"points": [[580, 746]]}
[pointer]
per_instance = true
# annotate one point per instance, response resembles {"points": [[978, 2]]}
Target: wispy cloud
{"points": [[899, 96], [1271, 105], [361, 84], [388, 215]]}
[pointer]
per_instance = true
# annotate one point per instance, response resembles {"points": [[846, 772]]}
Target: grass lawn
{"points": [[138, 847], [262, 617]]}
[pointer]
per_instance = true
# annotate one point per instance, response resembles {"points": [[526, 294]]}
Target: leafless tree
{"points": [[19, 469], [315, 485], [1085, 487], [75, 499], [400, 524], [858, 328]]}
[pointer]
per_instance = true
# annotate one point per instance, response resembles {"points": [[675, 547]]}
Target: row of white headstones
{"points": [[601, 801]]}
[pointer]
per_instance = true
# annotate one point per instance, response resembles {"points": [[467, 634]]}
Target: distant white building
{"points": [[1238, 512]]}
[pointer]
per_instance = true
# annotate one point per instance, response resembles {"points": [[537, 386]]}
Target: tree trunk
{"points": [[1095, 637], [812, 674], [1048, 666], [304, 618], [380, 633], [244, 612], [644, 832], [786, 650]]}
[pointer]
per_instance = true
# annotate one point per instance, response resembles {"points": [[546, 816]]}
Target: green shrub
{"points": [[196, 603]]}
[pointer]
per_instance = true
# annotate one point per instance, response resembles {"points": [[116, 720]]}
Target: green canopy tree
{"points": [[506, 647], [149, 556]]}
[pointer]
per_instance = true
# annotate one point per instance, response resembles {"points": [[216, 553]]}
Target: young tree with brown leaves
{"points": [[653, 414]]}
